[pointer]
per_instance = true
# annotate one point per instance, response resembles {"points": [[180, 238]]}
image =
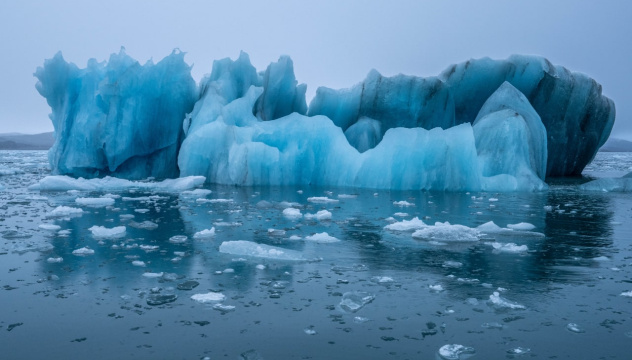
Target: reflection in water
{"points": [[374, 294]]}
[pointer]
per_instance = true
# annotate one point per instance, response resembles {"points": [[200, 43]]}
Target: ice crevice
{"points": [[484, 124]]}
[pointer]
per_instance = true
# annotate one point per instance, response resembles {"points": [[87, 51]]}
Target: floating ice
{"points": [[208, 297], [63, 211], [83, 251], [448, 233], [50, 227], [436, 287], [63, 183], [455, 352], [195, 193], [521, 226], [320, 215], [407, 225], [159, 299], [452, 264], [206, 233], [9, 171], [292, 213], [499, 302], [518, 351], [509, 248], [572, 327], [149, 248], [321, 238], [276, 232], [53, 260], [147, 225], [627, 293], [223, 308], [153, 275], [178, 239], [138, 263], [106, 233], [321, 199], [95, 202], [622, 184], [402, 203], [355, 300], [249, 248], [347, 196]]}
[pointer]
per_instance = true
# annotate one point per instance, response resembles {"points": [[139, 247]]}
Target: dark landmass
{"points": [[617, 145], [15, 141]]}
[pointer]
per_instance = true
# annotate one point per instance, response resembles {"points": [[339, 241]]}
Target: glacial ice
{"points": [[495, 125], [65, 183], [102, 232], [249, 248]]}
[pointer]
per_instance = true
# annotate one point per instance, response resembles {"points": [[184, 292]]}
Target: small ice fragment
{"points": [[548, 208], [295, 237], [321, 199], [188, 285], [152, 275], [355, 300], [627, 293], [260, 267], [95, 202], [126, 216], [141, 211], [402, 203], [224, 308], [360, 319], [437, 287], [455, 352], [500, 302], [382, 279], [83, 251], [509, 248], [206, 233], [493, 325], [572, 327], [320, 215], [147, 225], [105, 233], [138, 263], [53, 260], [451, 264], [401, 214], [178, 239], [62, 211], [310, 331], [149, 248], [518, 351], [447, 232], [50, 227], [493, 199], [208, 297], [321, 238], [406, 225], [523, 226], [292, 213], [347, 196], [249, 248], [276, 232], [157, 299]]}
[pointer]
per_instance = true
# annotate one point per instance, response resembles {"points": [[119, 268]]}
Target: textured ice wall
{"points": [[577, 117], [481, 125], [117, 118]]}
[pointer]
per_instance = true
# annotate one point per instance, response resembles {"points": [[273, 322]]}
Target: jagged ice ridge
{"points": [[501, 125]]}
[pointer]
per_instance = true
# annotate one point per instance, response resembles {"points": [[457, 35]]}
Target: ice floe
{"points": [[108, 233], [63, 183], [249, 248]]}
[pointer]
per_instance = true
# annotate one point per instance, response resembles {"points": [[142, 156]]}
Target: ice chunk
{"points": [[321, 238], [509, 248], [132, 112], [455, 352], [95, 202], [447, 232], [62, 211], [320, 215], [249, 248], [622, 184], [147, 225], [106, 233], [402, 203], [292, 213], [9, 171], [153, 275], [53, 260], [406, 225], [50, 227], [355, 300], [83, 251], [627, 293], [208, 297], [499, 302], [178, 239], [63, 183], [321, 199], [572, 327], [206, 233], [138, 263], [521, 226], [197, 193]]}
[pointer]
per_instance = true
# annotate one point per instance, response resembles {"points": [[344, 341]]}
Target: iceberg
{"points": [[493, 125]]}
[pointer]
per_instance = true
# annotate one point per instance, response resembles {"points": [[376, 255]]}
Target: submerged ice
{"points": [[497, 125]]}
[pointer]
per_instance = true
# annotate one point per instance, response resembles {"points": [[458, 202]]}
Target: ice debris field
{"points": [[491, 125]]}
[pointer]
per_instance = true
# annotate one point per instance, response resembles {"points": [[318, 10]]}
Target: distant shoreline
{"points": [[16, 141]]}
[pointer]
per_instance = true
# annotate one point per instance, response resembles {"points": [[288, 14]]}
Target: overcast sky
{"points": [[333, 43]]}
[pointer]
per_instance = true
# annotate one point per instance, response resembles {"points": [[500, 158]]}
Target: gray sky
{"points": [[333, 43]]}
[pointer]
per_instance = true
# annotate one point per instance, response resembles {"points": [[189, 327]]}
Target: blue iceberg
{"points": [[482, 125]]}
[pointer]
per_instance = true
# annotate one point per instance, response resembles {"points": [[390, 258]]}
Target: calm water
{"points": [[375, 294]]}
